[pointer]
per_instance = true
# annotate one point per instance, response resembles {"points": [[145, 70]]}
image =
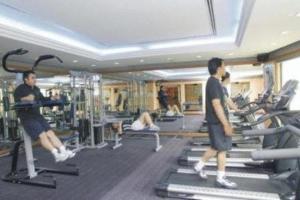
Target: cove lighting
{"points": [[120, 50], [187, 43]]}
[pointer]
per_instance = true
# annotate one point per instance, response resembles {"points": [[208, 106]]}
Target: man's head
{"points": [[216, 66], [161, 87], [226, 78], [29, 78]]}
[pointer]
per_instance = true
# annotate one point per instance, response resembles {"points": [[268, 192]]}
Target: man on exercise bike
{"points": [[33, 122]]}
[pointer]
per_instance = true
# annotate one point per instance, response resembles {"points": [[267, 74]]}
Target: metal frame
{"points": [[18, 176], [89, 80], [158, 146]]}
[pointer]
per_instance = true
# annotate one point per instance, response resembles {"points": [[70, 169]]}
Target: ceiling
{"points": [[99, 34]]}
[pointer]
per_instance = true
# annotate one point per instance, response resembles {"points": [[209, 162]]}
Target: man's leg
{"points": [[47, 144], [222, 181], [57, 143], [54, 139], [175, 109], [209, 153], [147, 120], [117, 127], [221, 160]]}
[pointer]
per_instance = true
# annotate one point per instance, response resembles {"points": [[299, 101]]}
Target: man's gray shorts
{"points": [[218, 140]]}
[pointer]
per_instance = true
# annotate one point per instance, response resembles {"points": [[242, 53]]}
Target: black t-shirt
{"points": [[24, 90], [162, 96], [214, 90]]}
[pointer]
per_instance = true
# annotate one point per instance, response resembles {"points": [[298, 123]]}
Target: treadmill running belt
{"points": [[185, 185]]}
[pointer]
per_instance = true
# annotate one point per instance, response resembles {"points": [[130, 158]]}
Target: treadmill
{"points": [[281, 102], [241, 157], [249, 116], [186, 184]]}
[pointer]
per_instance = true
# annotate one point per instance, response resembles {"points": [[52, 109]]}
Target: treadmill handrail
{"points": [[258, 103], [261, 132], [276, 154], [279, 153], [269, 116], [250, 111], [293, 129]]}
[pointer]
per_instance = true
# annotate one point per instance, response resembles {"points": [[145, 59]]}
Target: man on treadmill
{"points": [[219, 128], [34, 123]]}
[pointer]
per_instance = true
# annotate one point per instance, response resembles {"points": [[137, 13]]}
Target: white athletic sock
{"points": [[54, 152], [220, 175], [62, 149], [199, 166]]}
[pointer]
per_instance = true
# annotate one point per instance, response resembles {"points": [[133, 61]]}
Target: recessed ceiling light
{"points": [[274, 43], [93, 65], [116, 63], [298, 14], [199, 56], [141, 60], [230, 54], [284, 32], [169, 59], [130, 72], [75, 61]]}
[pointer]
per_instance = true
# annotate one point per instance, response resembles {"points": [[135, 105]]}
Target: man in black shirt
{"points": [[219, 128], [33, 122], [163, 97]]}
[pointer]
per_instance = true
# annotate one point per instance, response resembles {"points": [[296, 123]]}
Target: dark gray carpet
{"points": [[104, 172], [192, 124], [139, 185]]}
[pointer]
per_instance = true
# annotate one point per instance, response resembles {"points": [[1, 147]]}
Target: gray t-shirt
{"points": [[214, 90]]}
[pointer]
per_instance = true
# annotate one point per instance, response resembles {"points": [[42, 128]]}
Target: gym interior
{"points": [[140, 100]]}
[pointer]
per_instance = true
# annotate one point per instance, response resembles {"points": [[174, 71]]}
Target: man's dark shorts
{"points": [[218, 140], [34, 125]]}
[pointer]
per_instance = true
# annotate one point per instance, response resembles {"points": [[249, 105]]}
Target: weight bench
{"points": [[129, 131]]}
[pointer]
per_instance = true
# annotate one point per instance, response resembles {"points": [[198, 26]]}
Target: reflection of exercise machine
{"points": [[26, 176]]}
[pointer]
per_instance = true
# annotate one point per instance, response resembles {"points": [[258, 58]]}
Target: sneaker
{"points": [[225, 183], [60, 157], [70, 153], [153, 127], [200, 172], [180, 114]]}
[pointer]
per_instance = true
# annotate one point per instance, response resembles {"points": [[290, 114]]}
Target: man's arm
{"points": [[29, 97], [232, 105], [222, 117]]}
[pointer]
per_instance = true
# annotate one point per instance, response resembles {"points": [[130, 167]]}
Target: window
{"points": [[288, 72]]}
